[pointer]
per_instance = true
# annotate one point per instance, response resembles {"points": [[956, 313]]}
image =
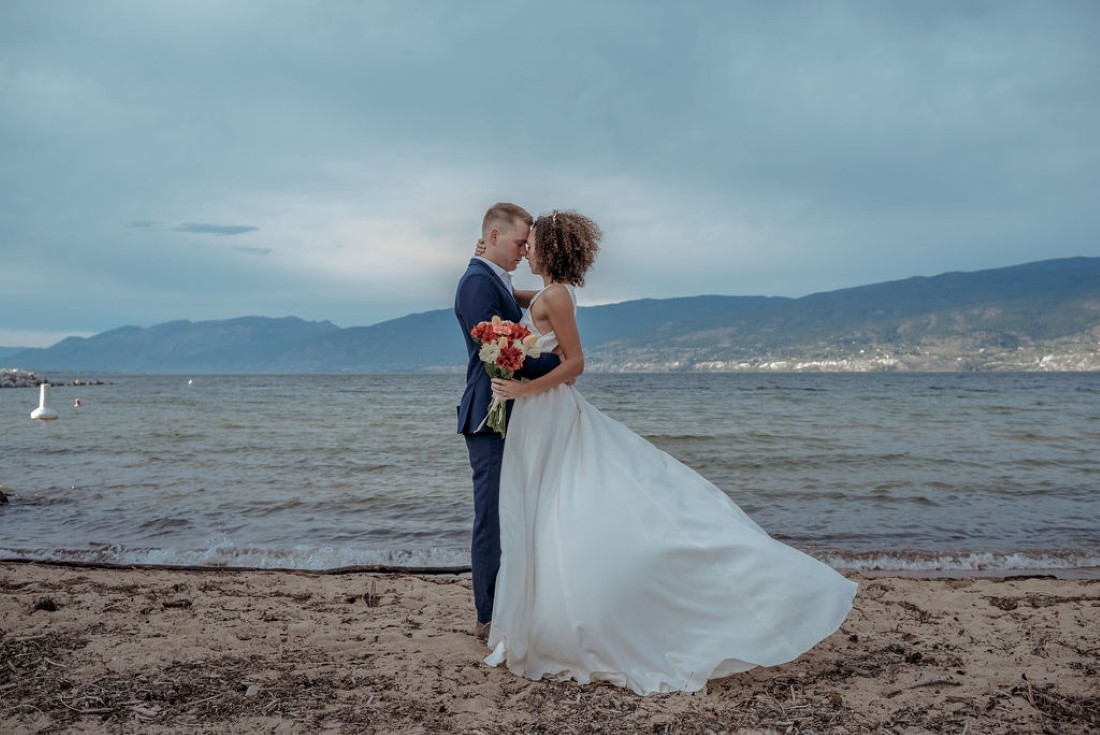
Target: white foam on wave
{"points": [[982, 561], [303, 557], [222, 552]]}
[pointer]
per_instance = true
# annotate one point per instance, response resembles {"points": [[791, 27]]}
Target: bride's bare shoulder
{"points": [[557, 295]]}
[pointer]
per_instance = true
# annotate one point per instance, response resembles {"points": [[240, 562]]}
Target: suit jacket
{"points": [[479, 297]]}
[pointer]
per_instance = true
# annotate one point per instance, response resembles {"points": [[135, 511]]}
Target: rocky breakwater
{"points": [[18, 378]]}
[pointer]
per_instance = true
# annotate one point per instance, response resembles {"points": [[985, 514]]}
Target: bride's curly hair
{"points": [[567, 243]]}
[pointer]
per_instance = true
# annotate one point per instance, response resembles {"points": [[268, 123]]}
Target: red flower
{"points": [[486, 332], [510, 359], [483, 333]]}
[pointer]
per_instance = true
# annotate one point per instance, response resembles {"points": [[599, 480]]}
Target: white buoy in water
{"points": [[44, 411]]}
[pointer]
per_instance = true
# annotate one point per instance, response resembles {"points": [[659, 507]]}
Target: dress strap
{"points": [[568, 288], [536, 297]]}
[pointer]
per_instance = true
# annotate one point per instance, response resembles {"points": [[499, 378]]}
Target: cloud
{"points": [[252, 251], [208, 229], [784, 148]]}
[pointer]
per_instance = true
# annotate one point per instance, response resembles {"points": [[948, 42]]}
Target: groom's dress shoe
{"points": [[481, 630]]}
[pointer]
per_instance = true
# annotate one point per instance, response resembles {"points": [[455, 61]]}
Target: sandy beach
{"points": [[152, 650]]}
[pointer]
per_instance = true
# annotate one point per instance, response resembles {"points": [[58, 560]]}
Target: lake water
{"points": [[888, 471]]}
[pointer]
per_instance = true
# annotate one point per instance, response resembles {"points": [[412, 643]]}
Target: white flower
{"points": [[489, 353], [530, 346]]}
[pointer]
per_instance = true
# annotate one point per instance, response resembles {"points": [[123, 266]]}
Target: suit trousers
{"points": [[486, 455]]}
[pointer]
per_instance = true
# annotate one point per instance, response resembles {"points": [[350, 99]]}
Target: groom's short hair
{"points": [[502, 213]]}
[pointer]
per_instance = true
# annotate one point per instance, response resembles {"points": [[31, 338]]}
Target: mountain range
{"points": [[1042, 315]]}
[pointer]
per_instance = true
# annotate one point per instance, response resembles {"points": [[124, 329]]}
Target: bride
{"points": [[619, 563]]}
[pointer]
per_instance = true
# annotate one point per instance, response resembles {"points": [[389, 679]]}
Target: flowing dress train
{"points": [[619, 563]]}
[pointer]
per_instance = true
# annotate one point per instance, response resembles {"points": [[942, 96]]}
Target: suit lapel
{"points": [[500, 284]]}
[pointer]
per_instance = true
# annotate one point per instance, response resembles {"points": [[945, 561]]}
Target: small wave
{"points": [[327, 558], [308, 558], [960, 389], [162, 527], [685, 438], [979, 561]]}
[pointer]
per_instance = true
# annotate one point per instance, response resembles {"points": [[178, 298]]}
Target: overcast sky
{"points": [[332, 160]]}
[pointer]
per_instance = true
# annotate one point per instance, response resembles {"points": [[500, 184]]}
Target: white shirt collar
{"points": [[501, 273]]}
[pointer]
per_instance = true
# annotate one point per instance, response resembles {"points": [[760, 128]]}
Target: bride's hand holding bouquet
{"points": [[507, 390]]}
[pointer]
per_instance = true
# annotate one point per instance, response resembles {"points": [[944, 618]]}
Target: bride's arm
{"points": [[563, 322], [523, 298]]}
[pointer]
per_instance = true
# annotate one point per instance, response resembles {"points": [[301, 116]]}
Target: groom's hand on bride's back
{"points": [[536, 367]]}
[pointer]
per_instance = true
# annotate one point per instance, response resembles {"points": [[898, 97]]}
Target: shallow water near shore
{"points": [[957, 471]]}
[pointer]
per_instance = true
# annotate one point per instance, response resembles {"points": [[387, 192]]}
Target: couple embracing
{"points": [[596, 556]]}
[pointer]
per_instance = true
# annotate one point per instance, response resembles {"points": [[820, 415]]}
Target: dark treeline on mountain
{"points": [[1034, 305]]}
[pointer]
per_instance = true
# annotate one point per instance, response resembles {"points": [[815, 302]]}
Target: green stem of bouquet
{"points": [[498, 412]]}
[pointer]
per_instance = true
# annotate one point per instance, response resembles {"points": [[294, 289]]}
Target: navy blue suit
{"points": [[480, 296]]}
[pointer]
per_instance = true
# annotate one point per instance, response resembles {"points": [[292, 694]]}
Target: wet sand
{"points": [[151, 650]]}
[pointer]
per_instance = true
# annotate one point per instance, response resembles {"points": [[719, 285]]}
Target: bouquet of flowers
{"points": [[504, 347]]}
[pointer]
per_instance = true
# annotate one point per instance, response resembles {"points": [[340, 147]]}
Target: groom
{"points": [[485, 291]]}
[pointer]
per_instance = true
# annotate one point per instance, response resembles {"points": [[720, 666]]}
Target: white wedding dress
{"points": [[619, 563]]}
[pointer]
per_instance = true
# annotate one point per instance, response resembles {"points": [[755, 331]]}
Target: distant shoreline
{"points": [[1034, 316], [632, 370]]}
